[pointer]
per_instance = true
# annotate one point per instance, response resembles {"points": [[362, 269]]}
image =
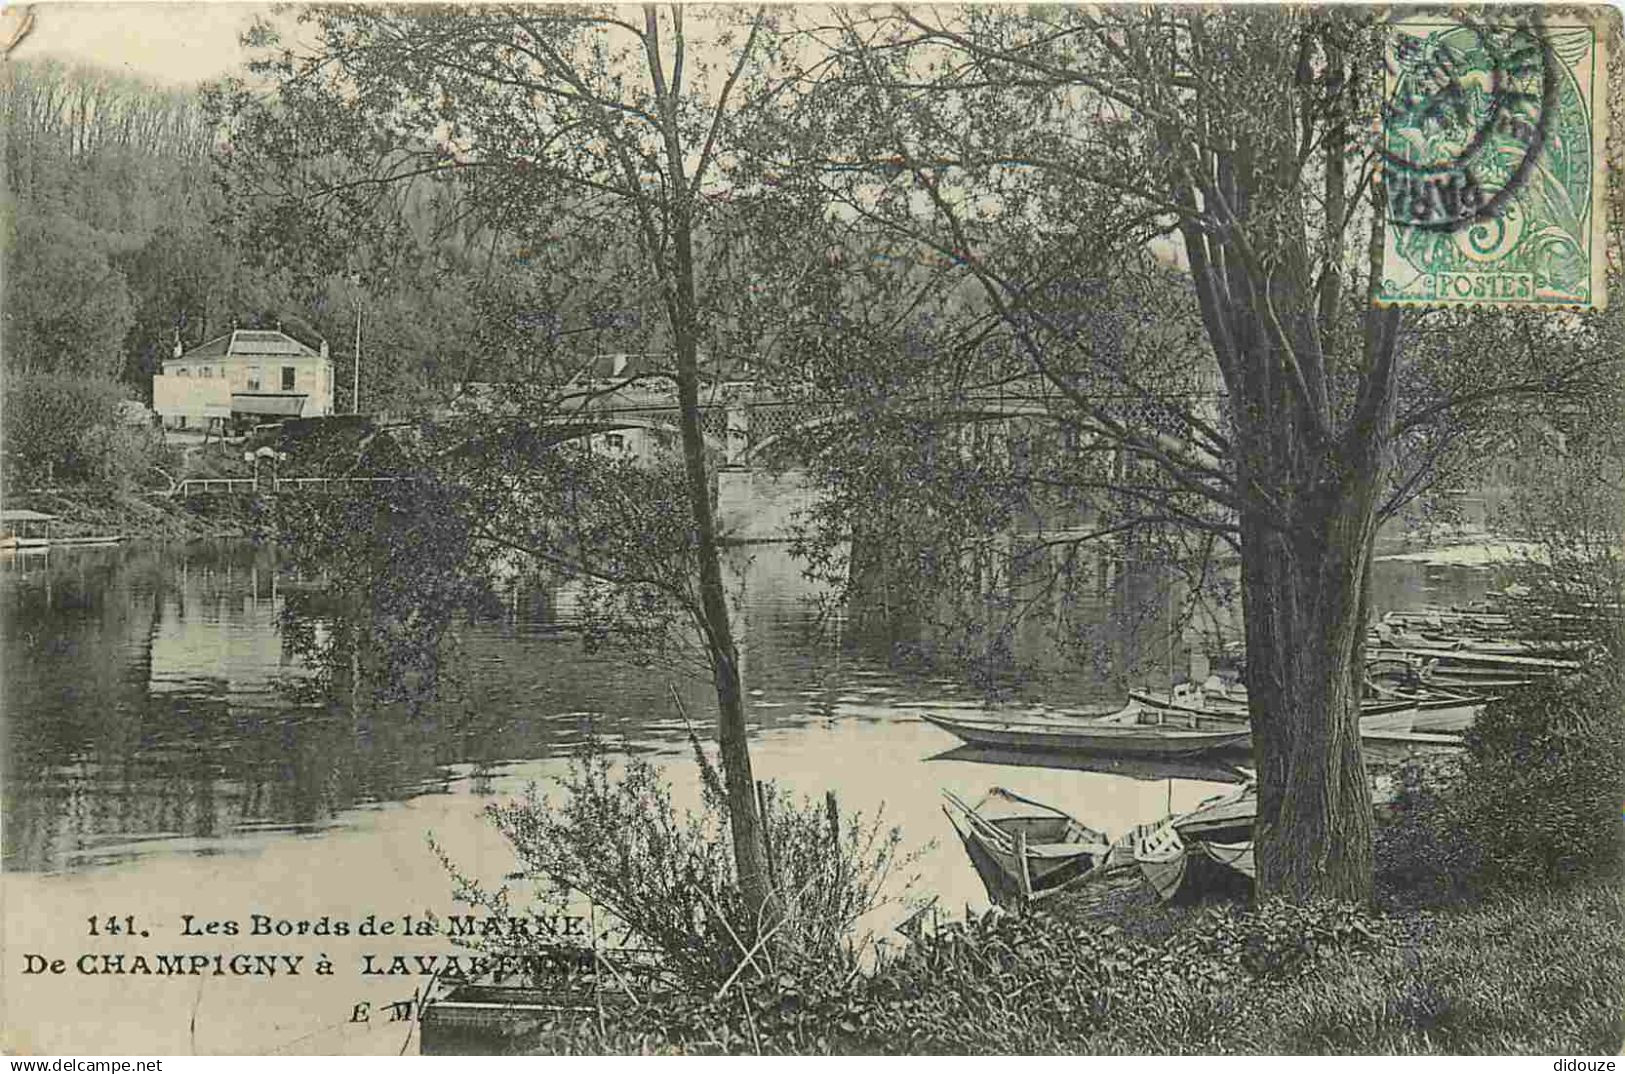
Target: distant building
{"points": [[245, 377]]}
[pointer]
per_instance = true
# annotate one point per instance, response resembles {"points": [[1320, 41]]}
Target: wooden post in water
{"points": [[833, 811], [767, 835]]}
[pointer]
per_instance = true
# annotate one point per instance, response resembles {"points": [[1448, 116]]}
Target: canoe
{"points": [[1132, 731], [1023, 849]]}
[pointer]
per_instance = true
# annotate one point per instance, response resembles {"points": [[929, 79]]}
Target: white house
{"points": [[246, 376]]}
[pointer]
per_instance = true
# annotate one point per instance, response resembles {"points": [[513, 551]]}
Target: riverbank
{"points": [[102, 513], [1147, 979], [1498, 928]]}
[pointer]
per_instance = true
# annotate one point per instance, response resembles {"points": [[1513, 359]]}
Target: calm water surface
{"points": [[161, 758]]}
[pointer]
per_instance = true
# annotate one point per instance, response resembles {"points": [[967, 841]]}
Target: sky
{"points": [[172, 43]]}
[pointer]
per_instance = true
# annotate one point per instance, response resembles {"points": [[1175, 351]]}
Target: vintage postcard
{"points": [[809, 530]]}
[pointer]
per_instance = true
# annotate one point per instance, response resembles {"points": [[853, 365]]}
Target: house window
{"points": [[183, 372], [180, 422], [254, 379], [207, 371], [615, 441], [287, 378]]}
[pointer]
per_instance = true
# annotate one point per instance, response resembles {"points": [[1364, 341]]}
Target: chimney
{"points": [[324, 348], [178, 350]]}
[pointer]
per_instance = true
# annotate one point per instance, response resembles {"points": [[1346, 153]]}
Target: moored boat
{"points": [[1134, 730], [1207, 850], [1214, 768], [1226, 818], [1376, 714], [1178, 870], [1458, 660], [1023, 849]]}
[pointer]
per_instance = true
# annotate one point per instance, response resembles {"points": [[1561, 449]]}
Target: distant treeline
{"points": [[108, 242], [119, 241]]}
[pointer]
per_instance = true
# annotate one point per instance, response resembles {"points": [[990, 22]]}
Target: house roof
{"points": [[251, 343]]}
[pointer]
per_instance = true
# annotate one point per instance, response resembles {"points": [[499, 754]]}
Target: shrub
{"points": [[1543, 781], [1533, 802], [665, 881], [1425, 855], [1008, 984]]}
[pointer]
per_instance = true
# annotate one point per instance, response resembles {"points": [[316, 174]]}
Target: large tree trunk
{"points": [[1303, 595], [1308, 527]]}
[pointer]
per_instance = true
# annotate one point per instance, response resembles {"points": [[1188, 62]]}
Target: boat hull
{"points": [[1135, 740]]}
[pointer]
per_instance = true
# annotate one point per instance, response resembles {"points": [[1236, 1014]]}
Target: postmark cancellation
{"points": [[1492, 142]]}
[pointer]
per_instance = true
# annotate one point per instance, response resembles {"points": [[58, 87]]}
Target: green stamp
{"points": [[1492, 155]]}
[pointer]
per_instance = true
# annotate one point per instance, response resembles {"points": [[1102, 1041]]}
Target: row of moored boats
{"points": [[1427, 677]]}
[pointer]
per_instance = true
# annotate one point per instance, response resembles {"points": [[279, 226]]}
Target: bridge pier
{"points": [[755, 506]]}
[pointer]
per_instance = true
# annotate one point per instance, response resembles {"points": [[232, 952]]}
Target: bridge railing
{"points": [[194, 486], [202, 486]]}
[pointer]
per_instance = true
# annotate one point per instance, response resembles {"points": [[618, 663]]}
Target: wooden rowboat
{"points": [[1132, 731], [1377, 715], [1023, 849], [1215, 768], [1462, 659], [1390, 672], [1225, 818], [1209, 849], [1206, 850], [1178, 870]]}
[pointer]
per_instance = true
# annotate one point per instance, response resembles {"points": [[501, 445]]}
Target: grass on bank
{"points": [[1524, 974], [1529, 974]]}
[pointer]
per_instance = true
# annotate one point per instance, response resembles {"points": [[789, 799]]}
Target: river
{"points": [[162, 759]]}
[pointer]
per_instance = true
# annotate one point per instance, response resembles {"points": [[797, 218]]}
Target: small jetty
{"points": [[24, 530]]}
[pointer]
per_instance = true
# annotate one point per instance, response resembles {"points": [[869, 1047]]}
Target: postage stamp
{"points": [[1492, 153]]}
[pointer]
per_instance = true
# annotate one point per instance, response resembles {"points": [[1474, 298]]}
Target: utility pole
{"points": [[355, 386]]}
